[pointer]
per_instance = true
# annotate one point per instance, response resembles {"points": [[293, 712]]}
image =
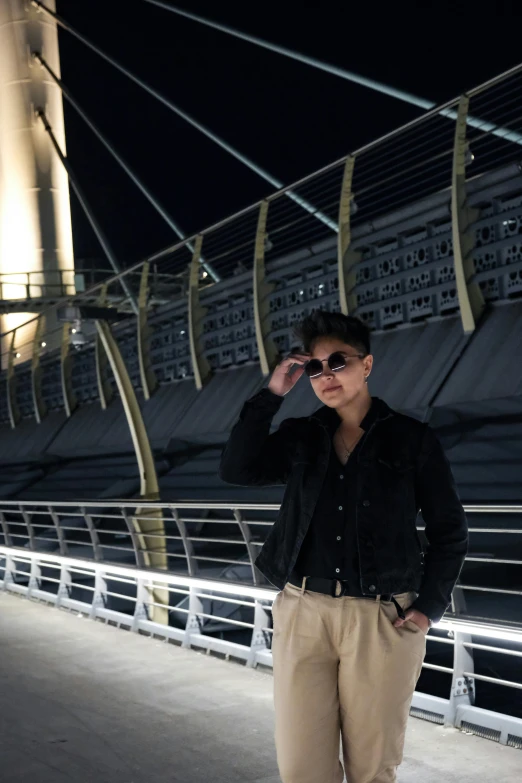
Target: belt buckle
{"points": [[343, 589]]}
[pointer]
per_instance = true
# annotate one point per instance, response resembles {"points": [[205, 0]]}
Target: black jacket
{"points": [[402, 469]]}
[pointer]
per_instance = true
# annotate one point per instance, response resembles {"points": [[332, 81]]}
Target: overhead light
{"points": [[43, 344], [469, 157], [204, 274], [182, 332], [268, 244], [73, 330], [354, 207], [17, 355]]}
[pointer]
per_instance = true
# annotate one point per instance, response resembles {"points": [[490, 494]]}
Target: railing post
{"points": [[91, 527], [471, 299], [134, 532], [266, 347], [247, 536], [462, 688], [194, 623], [5, 530], [259, 642], [64, 588], [141, 611], [147, 375], [150, 528], [9, 570], [39, 406], [99, 596], [26, 516], [12, 403], [35, 576], [69, 398], [59, 532], [192, 565], [347, 257], [196, 312]]}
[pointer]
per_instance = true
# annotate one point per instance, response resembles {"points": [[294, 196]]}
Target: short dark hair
{"points": [[321, 323]]}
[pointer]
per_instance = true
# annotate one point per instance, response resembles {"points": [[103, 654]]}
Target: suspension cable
{"points": [[137, 181], [89, 213], [343, 73], [188, 118]]}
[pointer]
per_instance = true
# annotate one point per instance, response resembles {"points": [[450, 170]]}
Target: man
{"points": [[357, 594]]}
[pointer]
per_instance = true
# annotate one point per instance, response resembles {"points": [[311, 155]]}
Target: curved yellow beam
{"points": [[266, 348], [347, 258], [147, 375], [471, 299], [196, 312]]}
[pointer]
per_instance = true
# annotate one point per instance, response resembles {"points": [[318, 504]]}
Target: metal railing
{"points": [[403, 267], [90, 558], [38, 289]]}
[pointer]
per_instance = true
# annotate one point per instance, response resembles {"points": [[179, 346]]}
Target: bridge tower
{"points": [[36, 249]]}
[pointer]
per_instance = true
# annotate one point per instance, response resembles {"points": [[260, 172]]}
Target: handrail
{"points": [[469, 508], [56, 579], [425, 136]]}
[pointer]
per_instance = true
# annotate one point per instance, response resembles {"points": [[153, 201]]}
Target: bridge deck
{"points": [[83, 702]]}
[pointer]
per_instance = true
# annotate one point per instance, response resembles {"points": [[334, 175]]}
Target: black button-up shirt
{"points": [[329, 549]]}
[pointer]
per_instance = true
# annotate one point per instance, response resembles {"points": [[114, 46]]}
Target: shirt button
{"points": [[372, 588], [340, 508], [337, 570], [338, 538], [366, 503]]}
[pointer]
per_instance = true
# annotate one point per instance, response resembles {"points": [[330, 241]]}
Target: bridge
{"points": [[120, 384], [94, 704]]}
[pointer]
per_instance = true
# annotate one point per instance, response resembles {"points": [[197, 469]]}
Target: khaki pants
{"points": [[342, 671]]}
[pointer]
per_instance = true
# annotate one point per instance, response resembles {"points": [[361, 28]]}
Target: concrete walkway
{"points": [[84, 702]]}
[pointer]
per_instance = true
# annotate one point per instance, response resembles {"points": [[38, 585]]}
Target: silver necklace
{"points": [[348, 451]]}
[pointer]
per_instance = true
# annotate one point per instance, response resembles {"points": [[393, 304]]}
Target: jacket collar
{"points": [[329, 418]]}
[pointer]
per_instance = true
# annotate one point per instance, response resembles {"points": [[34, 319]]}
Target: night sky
{"points": [[288, 117]]}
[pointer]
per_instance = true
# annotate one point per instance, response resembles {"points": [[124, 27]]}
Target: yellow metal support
{"points": [[69, 398], [347, 257], [148, 522], [471, 300], [40, 408], [104, 388], [148, 480], [266, 348], [148, 378], [196, 312], [12, 404]]}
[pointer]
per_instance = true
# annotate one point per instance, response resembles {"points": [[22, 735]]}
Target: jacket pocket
{"points": [[396, 464]]}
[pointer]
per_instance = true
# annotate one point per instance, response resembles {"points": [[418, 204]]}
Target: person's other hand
{"points": [[281, 381], [416, 617]]}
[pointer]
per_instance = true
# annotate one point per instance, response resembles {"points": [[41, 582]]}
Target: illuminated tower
{"points": [[35, 217]]}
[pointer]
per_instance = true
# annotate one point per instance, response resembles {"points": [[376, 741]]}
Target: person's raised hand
{"points": [[282, 381]]}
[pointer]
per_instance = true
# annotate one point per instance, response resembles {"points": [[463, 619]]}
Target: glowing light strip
{"points": [[232, 588], [152, 577], [490, 631]]}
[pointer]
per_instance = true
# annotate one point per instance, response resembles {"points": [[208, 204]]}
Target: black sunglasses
{"points": [[336, 362]]}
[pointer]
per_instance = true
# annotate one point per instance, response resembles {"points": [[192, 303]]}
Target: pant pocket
{"points": [[409, 638]]}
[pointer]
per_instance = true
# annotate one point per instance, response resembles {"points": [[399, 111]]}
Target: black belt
{"points": [[329, 587]]}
